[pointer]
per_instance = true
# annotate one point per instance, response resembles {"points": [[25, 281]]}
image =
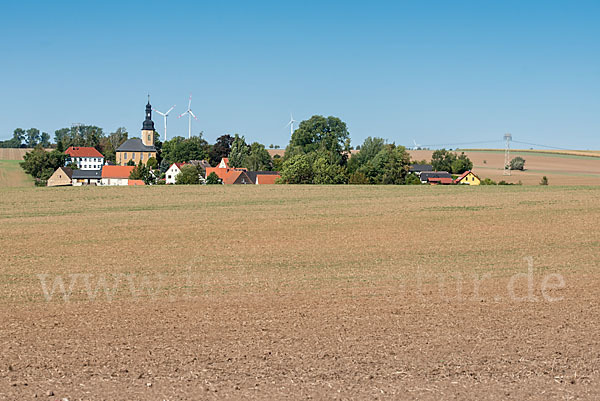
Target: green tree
{"points": [[326, 172], [142, 172], [152, 163], [220, 149], [130, 163], [412, 179], [239, 151], [297, 170], [16, 141], [32, 137], [45, 140], [461, 164], [518, 163], [277, 163], [442, 160], [188, 176], [213, 179], [319, 132], [544, 181], [358, 178], [180, 150], [41, 164], [258, 159]]}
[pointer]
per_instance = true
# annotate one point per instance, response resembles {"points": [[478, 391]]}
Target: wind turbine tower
{"points": [[190, 115], [291, 124], [507, 139], [165, 115]]}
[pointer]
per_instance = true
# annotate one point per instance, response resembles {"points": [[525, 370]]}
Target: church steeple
{"points": [[148, 123]]}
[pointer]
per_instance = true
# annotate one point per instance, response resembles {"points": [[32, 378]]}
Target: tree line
{"points": [[319, 153]]}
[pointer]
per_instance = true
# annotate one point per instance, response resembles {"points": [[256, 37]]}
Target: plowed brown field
{"points": [[344, 292], [561, 169]]}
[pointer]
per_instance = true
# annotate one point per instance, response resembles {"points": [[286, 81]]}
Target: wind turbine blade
{"points": [[288, 124], [190, 102], [192, 114], [171, 109], [162, 114], [183, 114]]}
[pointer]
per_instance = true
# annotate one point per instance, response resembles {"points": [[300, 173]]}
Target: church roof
{"points": [[135, 145]]}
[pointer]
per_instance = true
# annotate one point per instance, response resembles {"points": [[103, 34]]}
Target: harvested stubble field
{"points": [[275, 292]]}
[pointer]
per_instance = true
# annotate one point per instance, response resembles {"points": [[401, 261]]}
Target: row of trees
{"points": [[319, 152], [27, 139]]}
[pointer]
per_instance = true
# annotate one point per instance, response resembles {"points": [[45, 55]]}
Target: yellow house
{"points": [[136, 149], [468, 178]]}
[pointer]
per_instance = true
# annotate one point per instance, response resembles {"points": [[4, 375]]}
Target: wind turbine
{"points": [[190, 115], [417, 146], [165, 115], [291, 124]]}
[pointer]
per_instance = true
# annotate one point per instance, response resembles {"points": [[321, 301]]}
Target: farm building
{"points": [[86, 177], [426, 175], [468, 178], [440, 181], [420, 168], [116, 175], [85, 158], [61, 177]]}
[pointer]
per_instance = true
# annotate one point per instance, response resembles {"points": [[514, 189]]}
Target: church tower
{"points": [[148, 127]]}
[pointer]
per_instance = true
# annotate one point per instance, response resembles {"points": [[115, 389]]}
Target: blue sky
{"points": [[438, 72]]}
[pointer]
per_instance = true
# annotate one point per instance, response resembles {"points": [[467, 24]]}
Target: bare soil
{"points": [[299, 292]]}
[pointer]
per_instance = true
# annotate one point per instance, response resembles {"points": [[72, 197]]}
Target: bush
{"points": [[544, 181], [358, 178], [518, 163], [212, 179], [488, 181], [152, 163], [412, 179], [189, 175]]}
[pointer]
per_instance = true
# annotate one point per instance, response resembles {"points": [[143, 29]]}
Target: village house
{"points": [[86, 177], [139, 150], [230, 175], [116, 175], [468, 178], [61, 177], [172, 173], [85, 158]]}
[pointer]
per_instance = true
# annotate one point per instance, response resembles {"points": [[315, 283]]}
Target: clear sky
{"points": [[438, 72]]}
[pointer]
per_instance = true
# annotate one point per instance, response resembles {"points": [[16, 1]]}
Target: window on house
{"points": [[124, 155], [148, 137], [133, 156]]}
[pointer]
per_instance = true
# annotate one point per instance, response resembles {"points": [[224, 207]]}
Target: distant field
{"points": [[574, 168], [259, 292], [12, 175], [13, 154]]}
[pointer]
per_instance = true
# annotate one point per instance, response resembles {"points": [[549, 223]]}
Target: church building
{"points": [[136, 149]]}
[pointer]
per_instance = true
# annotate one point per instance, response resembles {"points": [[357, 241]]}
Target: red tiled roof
{"points": [[267, 178], [135, 182], [78, 151], [440, 180], [116, 171], [463, 175], [231, 176], [179, 165]]}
